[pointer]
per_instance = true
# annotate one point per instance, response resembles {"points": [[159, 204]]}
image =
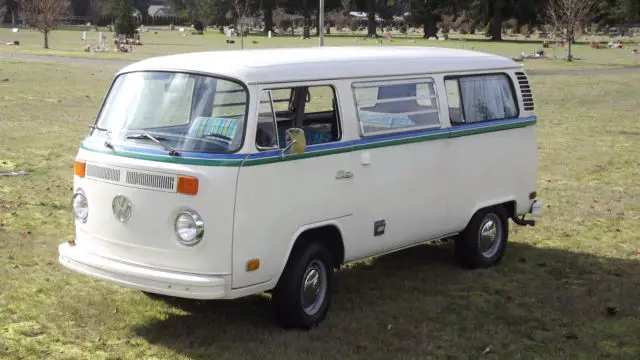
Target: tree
{"points": [[628, 10], [204, 11], [429, 12], [44, 15], [569, 17], [142, 6], [125, 22], [497, 7], [241, 8], [9, 6], [267, 10]]}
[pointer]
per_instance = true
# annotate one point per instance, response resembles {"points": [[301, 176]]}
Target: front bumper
{"points": [[192, 286]]}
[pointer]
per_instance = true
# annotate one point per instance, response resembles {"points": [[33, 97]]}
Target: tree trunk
{"points": [[371, 17], [13, 18], [268, 20], [569, 54], [318, 22], [46, 39], [496, 23], [306, 30], [430, 26]]}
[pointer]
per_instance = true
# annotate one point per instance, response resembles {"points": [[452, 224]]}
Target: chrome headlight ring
{"points": [[80, 206], [189, 228]]}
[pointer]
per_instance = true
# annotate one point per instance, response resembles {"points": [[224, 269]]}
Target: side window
{"points": [[311, 108], [455, 104], [396, 106], [281, 100], [319, 99], [266, 132], [481, 98]]}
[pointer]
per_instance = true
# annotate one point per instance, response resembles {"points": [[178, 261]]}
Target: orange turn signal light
{"points": [[187, 185], [253, 264], [80, 168]]}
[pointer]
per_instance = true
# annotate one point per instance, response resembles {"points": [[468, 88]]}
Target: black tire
{"points": [[469, 248], [287, 296]]}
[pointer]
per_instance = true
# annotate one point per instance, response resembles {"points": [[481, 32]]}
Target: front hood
{"points": [[147, 235]]}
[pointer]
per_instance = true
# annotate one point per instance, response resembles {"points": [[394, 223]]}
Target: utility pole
{"points": [[321, 22]]}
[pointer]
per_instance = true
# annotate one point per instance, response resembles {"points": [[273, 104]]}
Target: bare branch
{"points": [[44, 15], [242, 8], [569, 16]]}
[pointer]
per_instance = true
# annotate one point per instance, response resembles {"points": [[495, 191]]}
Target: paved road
{"points": [[122, 63]]}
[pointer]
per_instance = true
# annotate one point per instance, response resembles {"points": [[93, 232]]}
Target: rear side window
{"points": [[480, 98], [396, 106]]}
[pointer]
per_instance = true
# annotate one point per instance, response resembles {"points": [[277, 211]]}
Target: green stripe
{"points": [[489, 129], [311, 154], [165, 159], [254, 162]]}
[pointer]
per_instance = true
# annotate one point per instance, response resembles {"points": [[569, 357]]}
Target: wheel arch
{"points": [[509, 204], [328, 233]]}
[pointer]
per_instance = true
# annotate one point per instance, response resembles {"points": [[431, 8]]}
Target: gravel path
{"points": [[122, 63]]}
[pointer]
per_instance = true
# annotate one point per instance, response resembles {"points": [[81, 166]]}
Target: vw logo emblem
{"points": [[121, 207]]}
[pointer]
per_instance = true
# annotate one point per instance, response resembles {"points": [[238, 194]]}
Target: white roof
{"points": [[319, 63]]}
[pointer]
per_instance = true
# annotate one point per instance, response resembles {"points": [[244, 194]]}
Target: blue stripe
{"points": [[319, 147]]}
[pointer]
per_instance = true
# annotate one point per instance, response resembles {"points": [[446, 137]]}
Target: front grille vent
{"points": [[164, 182], [103, 173], [130, 177]]}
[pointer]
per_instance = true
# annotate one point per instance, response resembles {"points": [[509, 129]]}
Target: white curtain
{"points": [[487, 98]]}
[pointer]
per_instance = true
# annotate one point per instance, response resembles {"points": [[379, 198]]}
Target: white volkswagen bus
{"points": [[224, 174]]}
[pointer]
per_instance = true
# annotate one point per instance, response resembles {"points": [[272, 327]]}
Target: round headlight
{"points": [[189, 228], [80, 206]]}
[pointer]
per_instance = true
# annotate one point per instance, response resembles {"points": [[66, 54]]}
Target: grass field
{"points": [[567, 289], [69, 43]]}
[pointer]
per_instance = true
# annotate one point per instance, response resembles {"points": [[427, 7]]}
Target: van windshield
{"points": [[187, 112]]}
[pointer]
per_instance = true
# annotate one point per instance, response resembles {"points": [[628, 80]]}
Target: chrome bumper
{"points": [[157, 281]]}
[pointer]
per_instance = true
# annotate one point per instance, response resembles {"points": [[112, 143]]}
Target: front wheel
{"points": [[303, 295], [483, 242]]}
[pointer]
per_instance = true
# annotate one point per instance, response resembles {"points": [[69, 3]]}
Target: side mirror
{"points": [[296, 141]]}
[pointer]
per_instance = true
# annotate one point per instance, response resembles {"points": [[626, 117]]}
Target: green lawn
{"points": [[568, 288], [69, 43]]}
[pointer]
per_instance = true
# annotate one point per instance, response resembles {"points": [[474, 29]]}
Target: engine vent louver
{"points": [[525, 89]]}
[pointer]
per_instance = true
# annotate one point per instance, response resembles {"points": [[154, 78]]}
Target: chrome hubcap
{"points": [[490, 235], [314, 287]]}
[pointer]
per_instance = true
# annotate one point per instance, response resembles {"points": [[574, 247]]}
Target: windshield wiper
{"points": [[157, 140], [108, 142]]}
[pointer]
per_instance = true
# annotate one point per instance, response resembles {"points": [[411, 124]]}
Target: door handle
{"points": [[341, 174]]}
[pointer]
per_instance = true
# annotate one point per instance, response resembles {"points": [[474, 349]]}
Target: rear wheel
{"points": [[303, 295], [483, 242]]}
